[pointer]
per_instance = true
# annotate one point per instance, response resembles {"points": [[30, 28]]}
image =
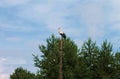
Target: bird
{"points": [[61, 33]]}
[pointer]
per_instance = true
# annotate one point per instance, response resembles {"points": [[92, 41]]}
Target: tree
{"points": [[88, 59], [49, 64], [117, 65], [89, 62], [21, 73], [106, 61]]}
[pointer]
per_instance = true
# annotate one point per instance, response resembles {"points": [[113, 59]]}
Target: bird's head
{"points": [[59, 29]]}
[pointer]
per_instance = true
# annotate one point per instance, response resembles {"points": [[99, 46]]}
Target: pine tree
{"points": [[117, 65], [21, 73], [88, 58], [106, 61], [49, 63]]}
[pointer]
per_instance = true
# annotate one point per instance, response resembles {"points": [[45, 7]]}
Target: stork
{"points": [[61, 33]]}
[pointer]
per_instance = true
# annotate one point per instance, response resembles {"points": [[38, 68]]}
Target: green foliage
{"points": [[88, 62], [92, 62], [88, 57], [49, 65], [117, 65], [99, 62], [21, 73], [50, 61], [106, 60]]}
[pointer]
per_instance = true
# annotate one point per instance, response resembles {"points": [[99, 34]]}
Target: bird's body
{"points": [[61, 33]]}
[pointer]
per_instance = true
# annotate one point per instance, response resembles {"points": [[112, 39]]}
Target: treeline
{"points": [[88, 62]]}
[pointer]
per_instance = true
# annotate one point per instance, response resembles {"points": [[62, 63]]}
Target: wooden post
{"points": [[60, 54]]}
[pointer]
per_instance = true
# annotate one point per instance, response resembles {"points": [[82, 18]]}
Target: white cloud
{"points": [[7, 3], [115, 3], [51, 13], [95, 32], [2, 69], [4, 76], [14, 39], [116, 26], [34, 12], [14, 61], [65, 1], [54, 21], [92, 15], [114, 13], [6, 70], [15, 26], [43, 13]]}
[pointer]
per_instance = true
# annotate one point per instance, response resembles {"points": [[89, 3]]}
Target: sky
{"points": [[25, 24]]}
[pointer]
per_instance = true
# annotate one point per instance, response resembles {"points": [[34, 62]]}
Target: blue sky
{"points": [[25, 24]]}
